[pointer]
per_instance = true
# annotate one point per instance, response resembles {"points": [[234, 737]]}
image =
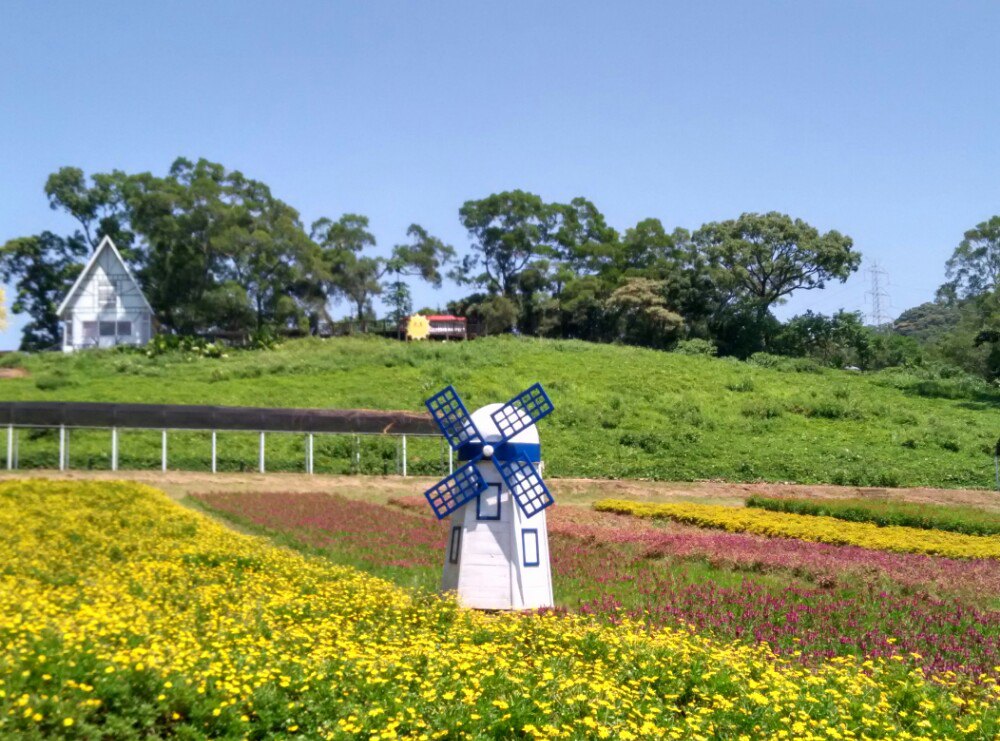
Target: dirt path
{"points": [[568, 491]]}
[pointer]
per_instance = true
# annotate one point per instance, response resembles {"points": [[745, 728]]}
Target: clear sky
{"points": [[879, 119]]}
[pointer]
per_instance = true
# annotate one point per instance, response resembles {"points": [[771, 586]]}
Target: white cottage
{"points": [[105, 307]]}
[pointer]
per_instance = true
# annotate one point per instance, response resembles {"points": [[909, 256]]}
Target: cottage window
{"points": [[124, 329], [106, 296], [89, 331], [107, 329]]}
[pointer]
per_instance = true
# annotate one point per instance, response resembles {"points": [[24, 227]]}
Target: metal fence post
{"points": [[62, 447], [261, 454], [114, 448], [310, 450], [357, 454], [404, 456], [451, 460], [10, 447], [163, 450], [214, 444]]}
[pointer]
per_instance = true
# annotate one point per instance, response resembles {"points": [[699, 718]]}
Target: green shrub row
{"points": [[883, 512]]}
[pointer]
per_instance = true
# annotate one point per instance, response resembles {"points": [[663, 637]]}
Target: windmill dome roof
{"points": [[484, 423]]}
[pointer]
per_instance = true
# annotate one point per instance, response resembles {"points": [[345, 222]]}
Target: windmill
{"points": [[498, 547]]}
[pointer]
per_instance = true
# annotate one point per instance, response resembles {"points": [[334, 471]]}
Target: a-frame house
{"points": [[105, 307]]}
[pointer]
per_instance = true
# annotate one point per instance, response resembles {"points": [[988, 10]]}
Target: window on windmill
{"points": [[529, 542], [488, 504], [455, 545]]}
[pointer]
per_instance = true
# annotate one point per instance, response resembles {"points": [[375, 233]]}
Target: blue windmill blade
{"points": [[452, 418], [525, 484], [522, 411], [453, 491]]}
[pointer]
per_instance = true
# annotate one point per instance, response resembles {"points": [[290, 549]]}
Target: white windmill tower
{"points": [[498, 547]]}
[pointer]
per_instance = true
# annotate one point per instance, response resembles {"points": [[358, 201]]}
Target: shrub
{"points": [[762, 410], [11, 360], [162, 344], [53, 381], [781, 363], [696, 347], [645, 441], [828, 409], [744, 385], [882, 512]]}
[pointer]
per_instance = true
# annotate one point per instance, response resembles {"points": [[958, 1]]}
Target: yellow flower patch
{"points": [[812, 527], [152, 620]]}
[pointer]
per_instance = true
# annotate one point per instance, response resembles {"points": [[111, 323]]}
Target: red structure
{"points": [[448, 327]]}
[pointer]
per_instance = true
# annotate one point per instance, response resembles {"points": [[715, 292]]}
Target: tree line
{"points": [[217, 252], [961, 326]]}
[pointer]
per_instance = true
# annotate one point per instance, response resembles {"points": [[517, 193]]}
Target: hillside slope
{"points": [[622, 412]]}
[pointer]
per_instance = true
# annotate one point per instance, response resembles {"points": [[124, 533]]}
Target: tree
{"points": [[42, 269], [509, 230], [762, 258], [264, 251], [644, 316], [974, 267], [213, 249], [928, 321], [583, 241], [399, 300], [3, 309], [424, 257], [755, 262], [359, 277], [492, 314], [99, 207], [203, 233]]}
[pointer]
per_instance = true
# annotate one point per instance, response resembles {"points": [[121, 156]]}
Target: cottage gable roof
{"points": [[105, 244]]}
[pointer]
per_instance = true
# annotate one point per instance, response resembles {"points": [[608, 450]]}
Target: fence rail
{"points": [[67, 416]]}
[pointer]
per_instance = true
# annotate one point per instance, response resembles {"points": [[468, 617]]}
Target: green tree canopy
{"points": [[762, 258], [974, 267], [509, 230], [42, 269]]}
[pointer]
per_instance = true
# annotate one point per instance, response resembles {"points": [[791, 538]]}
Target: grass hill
{"points": [[622, 412]]}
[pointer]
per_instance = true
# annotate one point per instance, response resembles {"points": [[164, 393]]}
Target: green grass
{"points": [[953, 518], [621, 412]]}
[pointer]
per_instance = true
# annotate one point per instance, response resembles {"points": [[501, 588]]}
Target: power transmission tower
{"points": [[879, 297]]}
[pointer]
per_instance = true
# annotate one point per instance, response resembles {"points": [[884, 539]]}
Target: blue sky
{"points": [[876, 119]]}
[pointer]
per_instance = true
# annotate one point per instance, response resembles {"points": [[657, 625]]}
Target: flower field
{"points": [[815, 528], [123, 615], [809, 601]]}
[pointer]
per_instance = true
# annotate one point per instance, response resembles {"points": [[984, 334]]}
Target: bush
{"points": [[824, 408], [696, 347], [647, 442], [11, 360], [742, 386], [162, 344], [53, 381], [781, 363], [762, 410]]}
